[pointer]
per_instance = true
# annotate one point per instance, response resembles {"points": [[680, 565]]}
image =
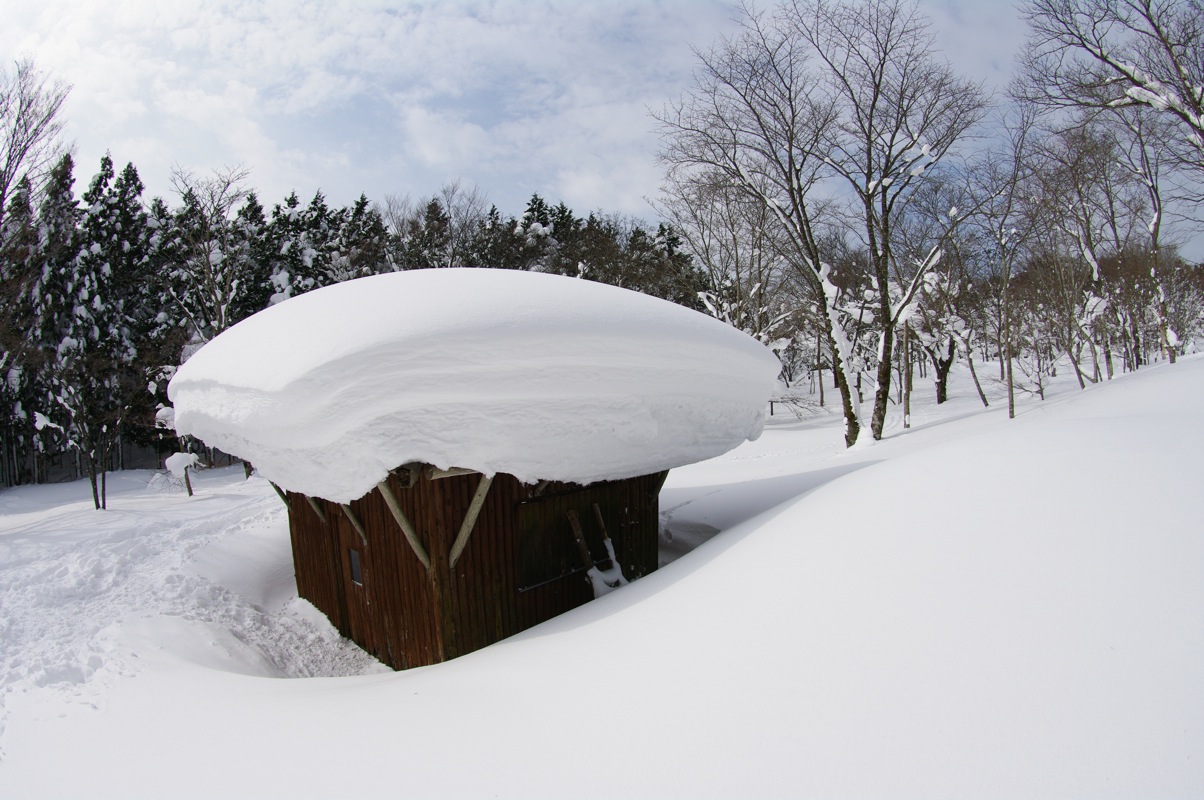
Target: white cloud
{"points": [[981, 40], [441, 141], [380, 97]]}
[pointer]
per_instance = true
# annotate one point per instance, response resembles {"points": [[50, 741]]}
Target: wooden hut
{"points": [[434, 564], [522, 376]]}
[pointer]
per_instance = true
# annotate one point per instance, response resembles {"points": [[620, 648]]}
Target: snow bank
{"points": [[178, 463], [540, 376], [1033, 627]]}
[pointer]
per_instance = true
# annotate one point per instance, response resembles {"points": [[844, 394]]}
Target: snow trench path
{"points": [[71, 576]]}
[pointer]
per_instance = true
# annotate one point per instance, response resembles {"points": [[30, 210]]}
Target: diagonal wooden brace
{"points": [[404, 524], [355, 523], [470, 519], [280, 492], [587, 560], [317, 508]]}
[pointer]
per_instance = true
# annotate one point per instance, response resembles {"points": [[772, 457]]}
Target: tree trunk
{"points": [[882, 392], [1078, 372], [852, 425], [941, 367], [1163, 326], [851, 410], [1002, 357], [970, 363], [819, 359], [1011, 384], [906, 377], [91, 466]]}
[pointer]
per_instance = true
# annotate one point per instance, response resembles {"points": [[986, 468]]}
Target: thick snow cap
{"points": [[540, 376]]}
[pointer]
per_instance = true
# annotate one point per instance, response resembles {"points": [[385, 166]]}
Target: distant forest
{"points": [[831, 187]]}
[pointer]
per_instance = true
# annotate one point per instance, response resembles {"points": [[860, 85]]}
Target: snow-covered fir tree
{"points": [[302, 243], [495, 243], [18, 248], [103, 328], [361, 246]]}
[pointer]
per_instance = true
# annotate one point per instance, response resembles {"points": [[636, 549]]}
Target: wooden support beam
{"points": [[602, 526], [470, 519], [355, 523], [575, 523], [317, 508], [404, 524], [280, 492]]}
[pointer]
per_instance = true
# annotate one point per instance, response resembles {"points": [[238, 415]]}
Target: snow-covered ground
{"points": [[975, 607]]}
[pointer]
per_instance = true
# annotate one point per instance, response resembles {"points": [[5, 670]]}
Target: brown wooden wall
{"points": [[408, 616]]}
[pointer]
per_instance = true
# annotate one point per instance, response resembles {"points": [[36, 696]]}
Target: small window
{"points": [[357, 574]]}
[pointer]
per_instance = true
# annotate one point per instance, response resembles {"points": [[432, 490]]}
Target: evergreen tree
{"points": [[18, 245], [321, 227], [104, 323], [361, 246], [595, 252], [621, 252], [539, 246], [285, 245], [497, 243], [427, 239], [303, 243], [58, 217], [253, 246]]}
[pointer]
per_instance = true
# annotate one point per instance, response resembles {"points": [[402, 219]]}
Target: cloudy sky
{"points": [[385, 97]]}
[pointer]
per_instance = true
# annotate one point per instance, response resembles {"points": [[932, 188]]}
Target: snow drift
{"points": [[540, 376], [1028, 622]]}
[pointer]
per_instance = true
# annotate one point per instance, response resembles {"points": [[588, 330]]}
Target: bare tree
{"points": [[731, 239], [1142, 139], [1120, 54], [933, 319], [212, 269], [900, 111], [754, 121], [455, 210], [466, 207], [29, 126], [821, 90], [399, 209], [1004, 219], [1094, 203]]}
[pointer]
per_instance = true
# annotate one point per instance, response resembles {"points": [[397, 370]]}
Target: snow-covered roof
{"points": [[540, 376]]}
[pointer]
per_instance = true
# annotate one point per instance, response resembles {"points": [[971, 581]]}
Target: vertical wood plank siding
{"points": [[407, 616]]}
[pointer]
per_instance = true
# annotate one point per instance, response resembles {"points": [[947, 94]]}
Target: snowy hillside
{"points": [[976, 607]]}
